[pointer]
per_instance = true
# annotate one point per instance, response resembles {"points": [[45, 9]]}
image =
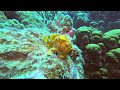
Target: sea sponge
{"points": [[58, 43]]}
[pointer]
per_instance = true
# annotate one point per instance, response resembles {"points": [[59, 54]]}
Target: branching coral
{"points": [[58, 43]]}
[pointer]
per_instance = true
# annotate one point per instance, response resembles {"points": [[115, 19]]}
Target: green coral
{"points": [[113, 54], [115, 33], [93, 48], [84, 30], [111, 39], [97, 33]]}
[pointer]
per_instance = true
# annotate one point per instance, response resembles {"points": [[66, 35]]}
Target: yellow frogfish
{"points": [[58, 43]]}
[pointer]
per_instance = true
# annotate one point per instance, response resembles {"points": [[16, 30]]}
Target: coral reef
{"points": [[96, 47], [23, 54], [59, 45], [86, 35]]}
